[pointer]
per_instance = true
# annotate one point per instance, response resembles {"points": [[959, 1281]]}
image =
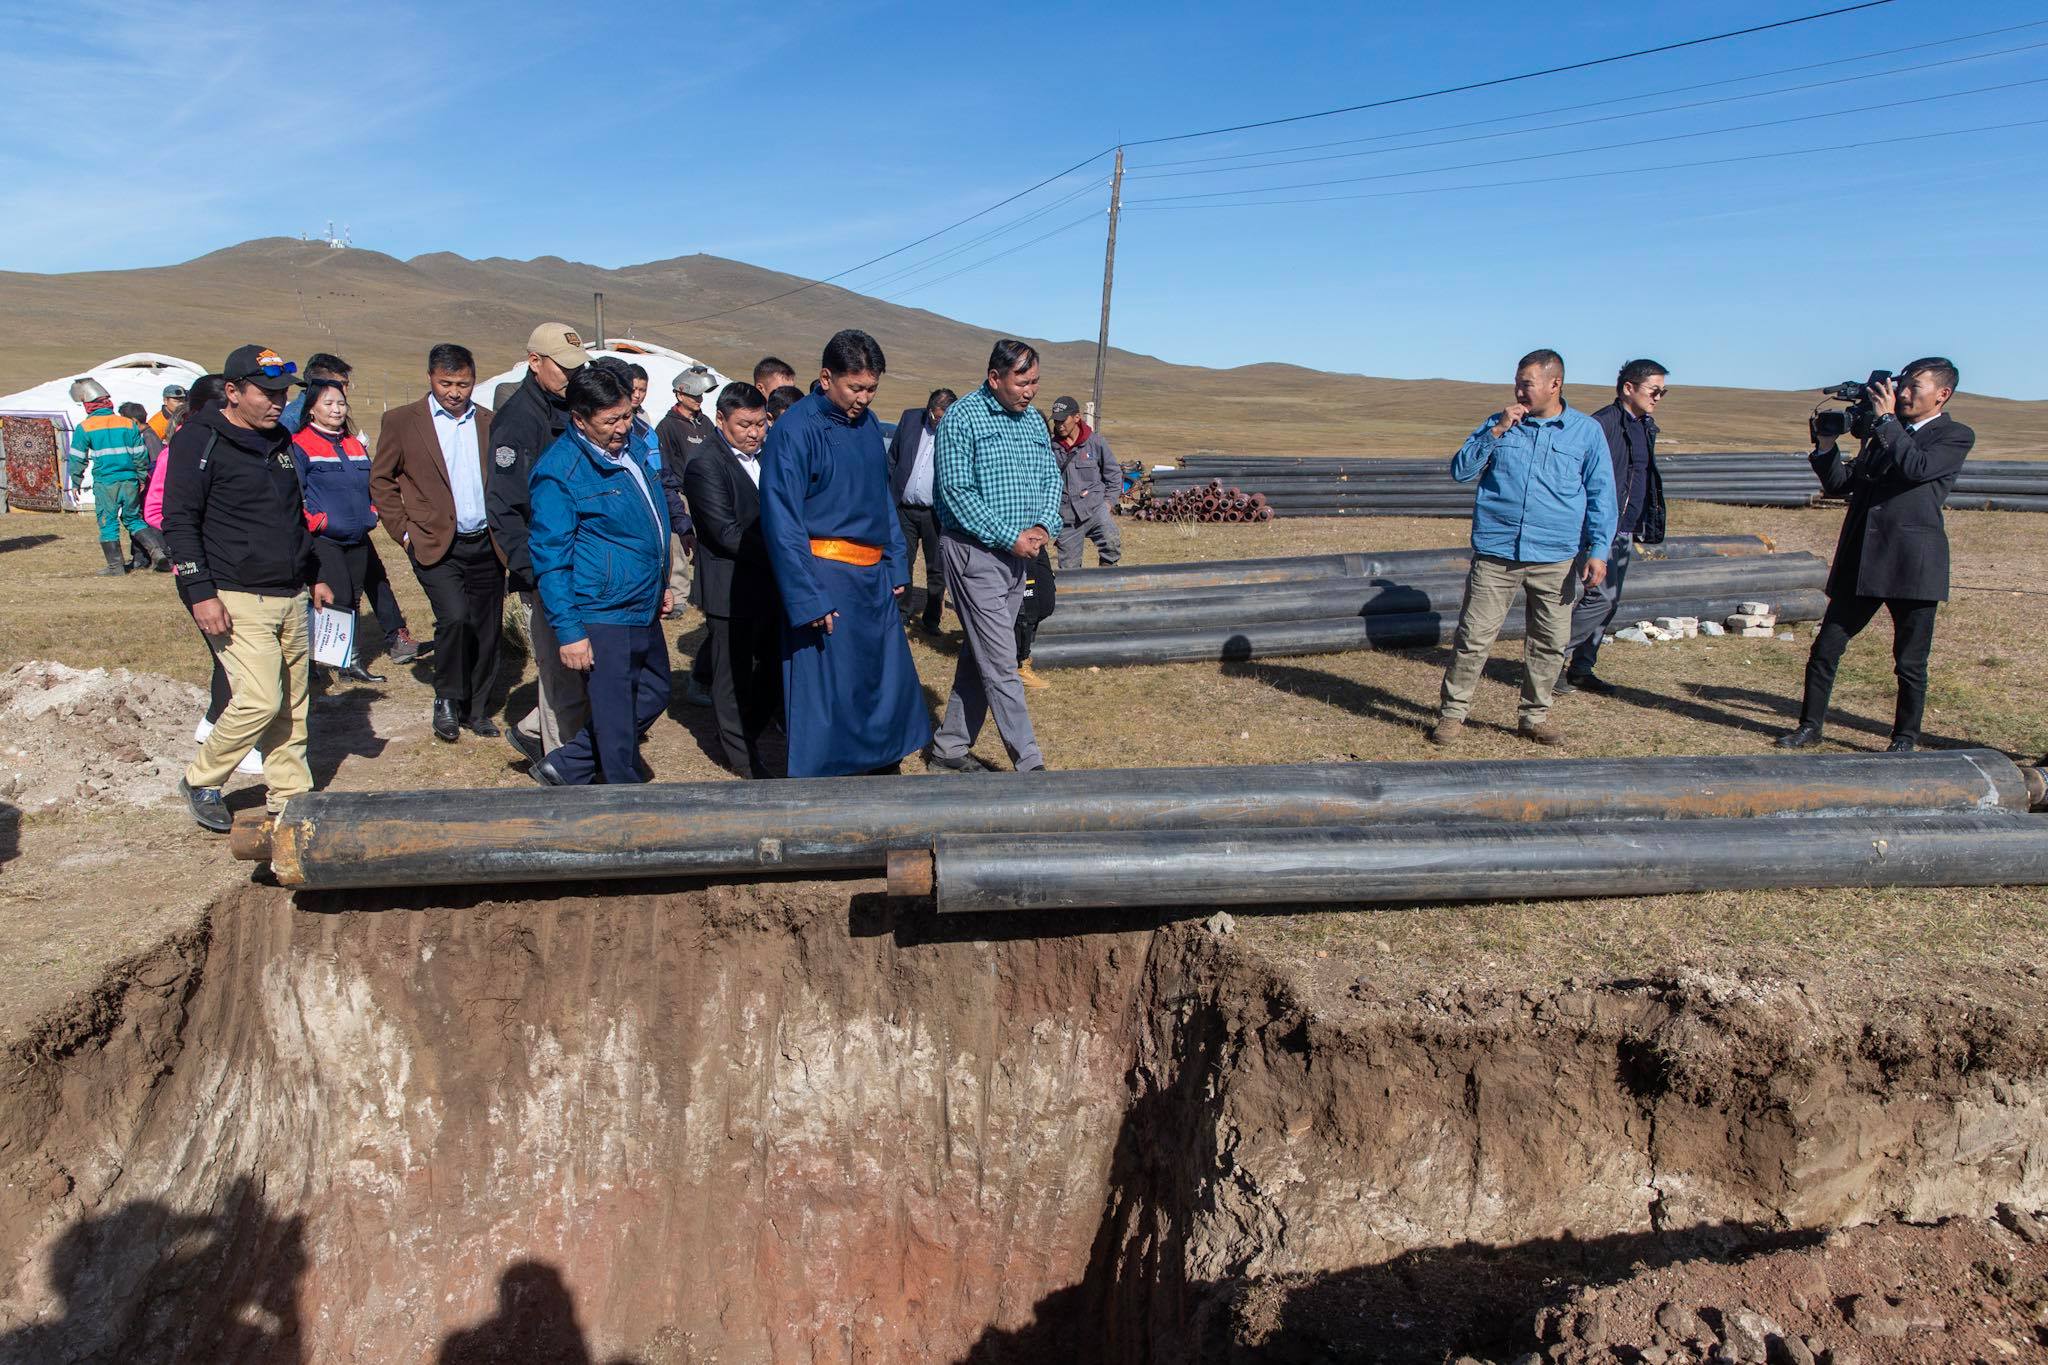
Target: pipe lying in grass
{"points": [[336, 839], [1462, 862], [1763, 577], [1341, 635]]}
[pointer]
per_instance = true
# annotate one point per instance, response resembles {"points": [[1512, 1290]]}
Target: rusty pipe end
{"points": [[249, 839], [2037, 786], [910, 872]]}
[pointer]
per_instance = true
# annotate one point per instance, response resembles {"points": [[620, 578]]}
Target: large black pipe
{"points": [[1766, 577], [1345, 634], [1462, 862], [1385, 564], [335, 839]]}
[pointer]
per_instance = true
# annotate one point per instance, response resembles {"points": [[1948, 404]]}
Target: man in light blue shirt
{"points": [[1546, 497]]}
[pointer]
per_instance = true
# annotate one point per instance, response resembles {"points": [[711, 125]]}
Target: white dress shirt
{"points": [[465, 470], [917, 489]]}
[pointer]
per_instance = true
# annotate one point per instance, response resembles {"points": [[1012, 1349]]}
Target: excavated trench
{"points": [[802, 1123]]}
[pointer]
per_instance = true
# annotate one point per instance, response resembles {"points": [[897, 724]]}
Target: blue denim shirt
{"points": [[1546, 488]]}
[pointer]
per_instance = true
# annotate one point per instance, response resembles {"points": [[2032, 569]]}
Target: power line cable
{"points": [[1602, 118], [1093, 215], [1496, 185], [1297, 118], [927, 262], [1598, 104], [1509, 80], [1601, 147]]}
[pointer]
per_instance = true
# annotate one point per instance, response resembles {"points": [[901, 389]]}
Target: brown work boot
{"points": [[1445, 733], [1542, 731], [1028, 678]]}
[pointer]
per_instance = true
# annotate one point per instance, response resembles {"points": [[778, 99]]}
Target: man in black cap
{"points": [[1094, 482], [236, 523]]}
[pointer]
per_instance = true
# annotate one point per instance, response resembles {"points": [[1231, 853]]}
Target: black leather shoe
{"points": [[482, 725], [1805, 737], [1592, 682], [1902, 744], [207, 807], [544, 773], [524, 745], [966, 763], [357, 673], [447, 725]]}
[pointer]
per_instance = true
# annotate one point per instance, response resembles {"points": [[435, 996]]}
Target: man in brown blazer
{"points": [[427, 481]]}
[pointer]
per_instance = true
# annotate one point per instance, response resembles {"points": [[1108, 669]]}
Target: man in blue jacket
{"points": [[1546, 497], [598, 537]]}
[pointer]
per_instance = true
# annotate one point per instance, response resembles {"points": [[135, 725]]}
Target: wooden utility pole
{"points": [[1116, 204]]}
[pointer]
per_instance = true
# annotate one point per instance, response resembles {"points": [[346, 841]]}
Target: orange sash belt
{"points": [[848, 552]]}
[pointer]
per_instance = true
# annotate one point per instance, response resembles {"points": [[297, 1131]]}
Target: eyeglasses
{"points": [[277, 369], [1657, 392]]}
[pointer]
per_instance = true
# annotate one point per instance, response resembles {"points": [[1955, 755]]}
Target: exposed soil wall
{"points": [[799, 1123]]}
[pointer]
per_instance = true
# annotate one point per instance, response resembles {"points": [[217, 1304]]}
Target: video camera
{"points": [[1859, 419]]}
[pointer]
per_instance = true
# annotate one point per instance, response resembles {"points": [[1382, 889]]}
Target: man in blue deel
{"points": [[852, 695]]}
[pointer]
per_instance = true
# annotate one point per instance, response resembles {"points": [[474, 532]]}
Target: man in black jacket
{"points": [[1631, 426], [742, 612], [236, 524], [1893, 550], [913, 466], [530, 420]]}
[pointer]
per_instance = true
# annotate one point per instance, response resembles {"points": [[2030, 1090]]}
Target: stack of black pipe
{"points": [[1340, 485], [1402, 601], [1187, 839]]}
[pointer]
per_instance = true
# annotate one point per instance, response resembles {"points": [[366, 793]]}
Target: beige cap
{"points": [[558, 342]]}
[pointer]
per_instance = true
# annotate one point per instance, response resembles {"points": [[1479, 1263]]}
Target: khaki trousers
{"points": [[270, 683], [564, 707], [1491, 586]]}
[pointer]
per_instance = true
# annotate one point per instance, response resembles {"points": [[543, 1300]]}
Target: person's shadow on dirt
{"points": [[10, 832], [339, 728], [535, 1324], [146, 1283]]}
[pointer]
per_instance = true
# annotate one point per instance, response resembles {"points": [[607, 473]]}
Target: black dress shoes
{"points": [[1591, 682], [544, 773], [357, 673], [1902, 744], [482, 725], [447, 725], [1805, 737]]}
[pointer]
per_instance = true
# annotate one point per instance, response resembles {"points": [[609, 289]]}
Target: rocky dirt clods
{"points": [[81, 739]]}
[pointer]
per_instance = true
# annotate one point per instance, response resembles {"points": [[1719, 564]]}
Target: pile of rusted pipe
{"points": [[1206, 502], [1236, 622], [1197, 837]]}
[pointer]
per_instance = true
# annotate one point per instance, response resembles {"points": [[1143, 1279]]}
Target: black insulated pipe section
{"points": [[342, 839], [1343, 634], [1464, 862]]}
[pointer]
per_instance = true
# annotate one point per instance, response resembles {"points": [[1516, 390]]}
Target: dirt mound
{"points": [[80, 739]]}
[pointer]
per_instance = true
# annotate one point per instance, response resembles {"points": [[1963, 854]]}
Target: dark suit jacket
{"points": [[1893, 543], [409, 483], [903, 452], [1645, 519], [732, 558]]}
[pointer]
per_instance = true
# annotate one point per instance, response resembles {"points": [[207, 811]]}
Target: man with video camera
{"points": [[1893, 551]]}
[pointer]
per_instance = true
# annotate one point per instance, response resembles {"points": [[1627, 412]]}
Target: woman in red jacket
{"points": [[334, 475]]}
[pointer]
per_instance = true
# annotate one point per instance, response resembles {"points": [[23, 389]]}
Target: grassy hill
{"points": [[383, 313]]}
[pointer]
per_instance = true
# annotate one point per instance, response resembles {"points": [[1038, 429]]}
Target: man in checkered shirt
{"points": [[999, 491]]}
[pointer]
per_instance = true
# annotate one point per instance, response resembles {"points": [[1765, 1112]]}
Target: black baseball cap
{"points": [[1063, 408], [261, 366]]}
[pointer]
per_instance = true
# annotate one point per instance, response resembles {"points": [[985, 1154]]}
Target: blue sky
{"points": [[810, 137]]}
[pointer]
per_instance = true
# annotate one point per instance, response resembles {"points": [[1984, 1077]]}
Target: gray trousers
{"points": [[564, 706], [988, 590], [1099, 526], [1595, 610]]}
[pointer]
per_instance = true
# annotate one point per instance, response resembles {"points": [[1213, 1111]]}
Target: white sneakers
{"points": [[252, 762]]}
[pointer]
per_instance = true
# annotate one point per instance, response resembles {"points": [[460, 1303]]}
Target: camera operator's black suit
{"points": [[1893, 553]]}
